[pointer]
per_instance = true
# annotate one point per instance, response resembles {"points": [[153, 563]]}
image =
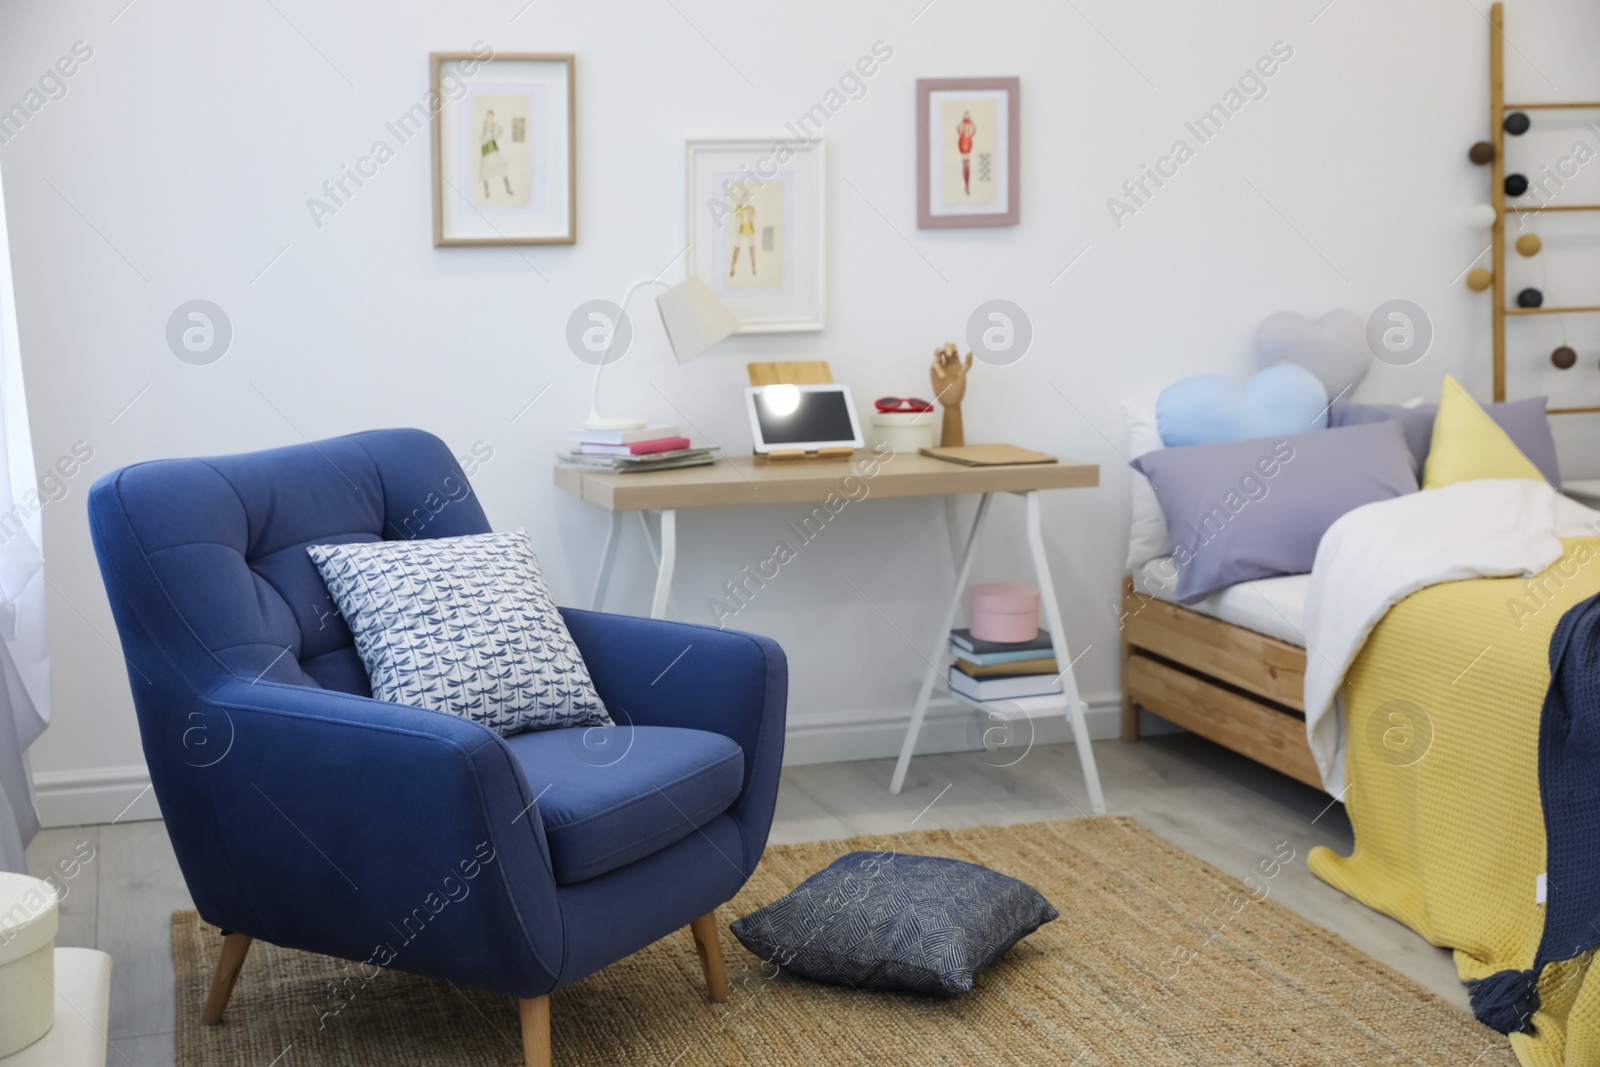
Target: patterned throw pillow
{"points": [[462, 625], [877, 920]]}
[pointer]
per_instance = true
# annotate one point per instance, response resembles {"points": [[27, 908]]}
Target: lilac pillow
{"points": [[1524, 421], [1239, 510]]}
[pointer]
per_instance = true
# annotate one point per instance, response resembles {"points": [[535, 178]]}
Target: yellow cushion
{"points": [[1468, 444]]}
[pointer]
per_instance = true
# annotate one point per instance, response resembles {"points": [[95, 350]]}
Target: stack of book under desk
{"points": [[996, 670]]}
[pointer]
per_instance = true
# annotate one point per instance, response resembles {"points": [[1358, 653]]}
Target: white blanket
{"points": [[1377, 555]]}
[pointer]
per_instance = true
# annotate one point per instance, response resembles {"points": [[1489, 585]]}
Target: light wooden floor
{"points": [[1218, 806]]}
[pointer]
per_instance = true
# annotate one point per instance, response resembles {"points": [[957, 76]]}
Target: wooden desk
{"points": [[742, 481]]}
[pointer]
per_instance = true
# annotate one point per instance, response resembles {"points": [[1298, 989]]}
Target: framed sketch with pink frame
{"points": [[967, 152]]}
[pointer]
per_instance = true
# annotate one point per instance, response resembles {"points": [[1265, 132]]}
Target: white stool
{"points": [[82, 1004], [29, 915], [53, 1001]]}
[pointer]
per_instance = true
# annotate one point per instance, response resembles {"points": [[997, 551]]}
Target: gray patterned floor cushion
{"points": [[877, 920], [462, 625]]}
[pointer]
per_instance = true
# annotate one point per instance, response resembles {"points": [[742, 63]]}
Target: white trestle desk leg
{"points": [[1058, 639], [953, 526], [963, 569], [607, 558], [649, 537], [669, 559]]}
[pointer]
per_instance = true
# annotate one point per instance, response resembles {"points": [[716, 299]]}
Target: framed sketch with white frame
{"points": [[504, 165], [755, 226]]}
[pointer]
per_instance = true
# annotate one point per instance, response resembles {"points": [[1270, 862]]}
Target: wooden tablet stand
{"points": [[812, 372], [791, 455]]}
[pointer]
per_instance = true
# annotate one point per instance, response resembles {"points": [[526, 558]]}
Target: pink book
{"points": [[637, 448]]}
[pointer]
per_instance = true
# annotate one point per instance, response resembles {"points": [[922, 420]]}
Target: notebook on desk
{"points": [[988, 455]]}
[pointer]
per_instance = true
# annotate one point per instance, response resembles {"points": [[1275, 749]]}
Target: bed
{"points": [[1409, 675], [1231, 668], [1230, 661]]}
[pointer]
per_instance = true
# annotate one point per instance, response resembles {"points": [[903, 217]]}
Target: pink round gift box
{"points": [[1003, 611]]}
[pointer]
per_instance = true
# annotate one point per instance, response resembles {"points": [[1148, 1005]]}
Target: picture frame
{"points": [[968, 152], [756, 228], [504, 149]]}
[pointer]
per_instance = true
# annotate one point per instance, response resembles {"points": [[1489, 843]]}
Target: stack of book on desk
{"points": [[994, 670], [650, 448]]}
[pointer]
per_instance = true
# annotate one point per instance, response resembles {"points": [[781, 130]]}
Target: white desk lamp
{"points": [[695, 319]]}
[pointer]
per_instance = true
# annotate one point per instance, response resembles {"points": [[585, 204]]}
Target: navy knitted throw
{"points": [[1569, 784]]}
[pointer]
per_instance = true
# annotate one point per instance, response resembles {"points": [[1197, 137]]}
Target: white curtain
{"points": [[24, 643]]}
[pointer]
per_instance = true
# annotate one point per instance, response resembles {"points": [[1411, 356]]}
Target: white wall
{"points": [[179, 163]]}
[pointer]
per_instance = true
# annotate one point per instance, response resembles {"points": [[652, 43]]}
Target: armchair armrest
{"points": [[651, 672], [371, 831]]}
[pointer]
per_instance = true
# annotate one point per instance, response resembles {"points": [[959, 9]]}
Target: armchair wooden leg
{"points": [[709, 946], [535, 1031], [229, 964]]}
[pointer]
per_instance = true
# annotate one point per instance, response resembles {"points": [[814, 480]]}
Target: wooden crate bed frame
{"points": [[1239, 688]]}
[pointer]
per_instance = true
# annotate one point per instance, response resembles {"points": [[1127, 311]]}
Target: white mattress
{"points": [[1272, 606]]}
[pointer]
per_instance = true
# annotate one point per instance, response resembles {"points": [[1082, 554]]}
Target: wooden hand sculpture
{"points": [[949, 378]]}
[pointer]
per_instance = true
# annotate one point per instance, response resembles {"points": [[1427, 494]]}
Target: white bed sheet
{"points": [[1272, 606]]}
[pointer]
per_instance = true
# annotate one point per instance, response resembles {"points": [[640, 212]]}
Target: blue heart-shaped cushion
{"points": [[1282, 399]]}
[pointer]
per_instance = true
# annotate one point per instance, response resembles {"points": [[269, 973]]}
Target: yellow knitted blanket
{"points": [[1442, 711]]}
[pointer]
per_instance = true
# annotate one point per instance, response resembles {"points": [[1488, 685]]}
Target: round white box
{"points": [[29, 916], [906, 431]]}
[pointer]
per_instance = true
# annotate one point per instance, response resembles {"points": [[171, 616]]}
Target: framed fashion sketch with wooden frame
{"points": [[756, 229], [968, 148], [504, 158]]}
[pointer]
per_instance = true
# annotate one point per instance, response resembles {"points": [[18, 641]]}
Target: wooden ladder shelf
{"points": [[1497, 199]]}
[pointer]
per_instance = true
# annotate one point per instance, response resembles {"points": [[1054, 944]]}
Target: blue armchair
{"points": [[309, 815]]}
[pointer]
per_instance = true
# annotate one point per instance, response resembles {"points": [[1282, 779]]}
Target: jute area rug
{"points": [[1157, 958]]}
